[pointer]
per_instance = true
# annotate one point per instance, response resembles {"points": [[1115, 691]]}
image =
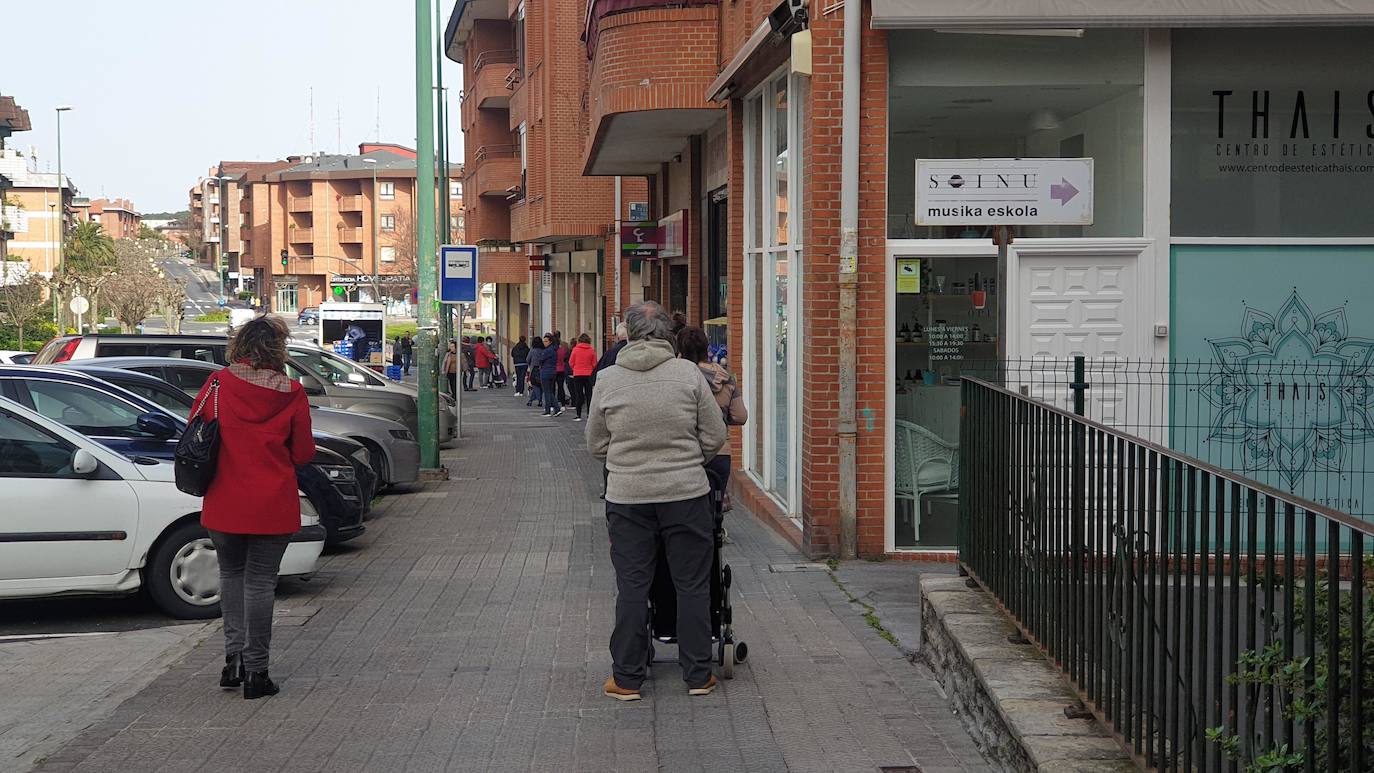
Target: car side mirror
{"points": [[84, 462], [356, 378], [156, 425], [310, 386]]}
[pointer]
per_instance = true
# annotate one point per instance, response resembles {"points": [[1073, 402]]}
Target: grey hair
{"points": [[622, 332], [648, 320]]}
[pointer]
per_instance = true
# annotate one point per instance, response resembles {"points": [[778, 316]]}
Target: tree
{"points": [[22, 303], [135, 288], [403, 239], [89, 250], [144, 232], [171, 305]]}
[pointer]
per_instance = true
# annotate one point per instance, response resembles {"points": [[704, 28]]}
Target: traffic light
{"points": [[283, 258]]}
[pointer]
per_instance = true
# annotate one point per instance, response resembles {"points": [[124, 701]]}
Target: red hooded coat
{"points": [[264, 434]]}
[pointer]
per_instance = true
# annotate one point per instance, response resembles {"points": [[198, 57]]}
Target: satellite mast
{"points": [[312, 119]]}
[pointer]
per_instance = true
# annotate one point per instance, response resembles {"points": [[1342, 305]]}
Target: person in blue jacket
{"points": [[548, 377], [536, 391]]}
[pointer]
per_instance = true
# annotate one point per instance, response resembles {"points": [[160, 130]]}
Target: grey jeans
{"points": [[248, 566], [685, 530]]}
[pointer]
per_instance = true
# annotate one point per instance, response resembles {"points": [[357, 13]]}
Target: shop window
{"points": [[773, 253], [1024, 96], [1273, 133]]}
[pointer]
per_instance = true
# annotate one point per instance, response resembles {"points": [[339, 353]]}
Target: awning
{"points": [[762, 53], [1042, 14]]}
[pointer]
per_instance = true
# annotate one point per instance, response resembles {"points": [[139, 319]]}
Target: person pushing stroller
{"points": [[654, 422]]}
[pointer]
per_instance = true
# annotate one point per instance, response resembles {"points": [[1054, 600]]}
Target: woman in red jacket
{"points": [[582, 363], [252, 507]]}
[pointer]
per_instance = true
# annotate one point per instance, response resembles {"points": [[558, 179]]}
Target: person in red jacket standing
{"points": [[252, 507], [582, 363], [483, 357]]}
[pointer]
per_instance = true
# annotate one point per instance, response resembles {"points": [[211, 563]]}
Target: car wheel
{"points": [[182, 574], [377, 457]]}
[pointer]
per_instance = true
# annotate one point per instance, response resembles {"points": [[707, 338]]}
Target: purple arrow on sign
{"points": [[1063, 191]]}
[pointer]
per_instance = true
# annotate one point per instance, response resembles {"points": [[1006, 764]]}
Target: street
{"points": [[467, 631]]}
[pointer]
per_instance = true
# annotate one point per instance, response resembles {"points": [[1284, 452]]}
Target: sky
{"points": [[161, 90]]}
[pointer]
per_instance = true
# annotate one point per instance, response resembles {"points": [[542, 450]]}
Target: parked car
{"points": [[310, 315], [339, 487], [392, 448], [330, 381], [10, 357], [83, 519]]}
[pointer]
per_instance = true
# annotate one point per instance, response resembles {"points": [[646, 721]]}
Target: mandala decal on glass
{"points": [[1294, 391]]}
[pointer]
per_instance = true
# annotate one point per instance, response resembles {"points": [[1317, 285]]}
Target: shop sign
{"points": [[1004, 191], [367, 279], [673, 235], [639, 239], [909, 276], [639, 210], [585, 261]]}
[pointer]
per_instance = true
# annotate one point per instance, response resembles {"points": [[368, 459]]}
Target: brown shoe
{"points": [[613, 690], [705, 689]]}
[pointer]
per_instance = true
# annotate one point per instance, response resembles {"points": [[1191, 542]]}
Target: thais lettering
{"points": [[1296, 110]]}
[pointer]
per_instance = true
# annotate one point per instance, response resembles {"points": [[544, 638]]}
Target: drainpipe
{"points": [[614, 259], [848, 279]]}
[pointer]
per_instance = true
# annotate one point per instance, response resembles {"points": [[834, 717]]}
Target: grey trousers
{"points": [[685, 530], [248, 566]]}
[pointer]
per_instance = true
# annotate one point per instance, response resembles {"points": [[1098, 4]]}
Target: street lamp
{"points": [[372, 162], [62, 211]]}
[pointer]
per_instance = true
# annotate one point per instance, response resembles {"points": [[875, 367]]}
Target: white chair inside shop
{"points": [[926, 464]]}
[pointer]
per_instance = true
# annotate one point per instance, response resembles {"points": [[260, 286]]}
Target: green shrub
{"points": [[214, 316], [35, 335]]}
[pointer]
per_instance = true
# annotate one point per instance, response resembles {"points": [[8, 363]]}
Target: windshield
{"points": [[328, 366]]}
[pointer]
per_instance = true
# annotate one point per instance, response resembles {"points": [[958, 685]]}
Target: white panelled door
{"points": [[1089, 300]]}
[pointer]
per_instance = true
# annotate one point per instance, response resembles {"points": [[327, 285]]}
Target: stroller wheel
{"points": [[727, 660], [741, 652], [725, 576]]}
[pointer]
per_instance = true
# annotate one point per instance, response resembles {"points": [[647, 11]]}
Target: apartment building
{"points": [[312, 228], [117, 217], [37, 211], [13, 118], [528, 204]]}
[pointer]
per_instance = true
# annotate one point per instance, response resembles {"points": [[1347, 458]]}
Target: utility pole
{"points": [[425, 252], [61, 211], [441, 161]]}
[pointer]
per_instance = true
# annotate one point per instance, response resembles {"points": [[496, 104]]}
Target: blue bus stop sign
{"points": [[458, 274]]}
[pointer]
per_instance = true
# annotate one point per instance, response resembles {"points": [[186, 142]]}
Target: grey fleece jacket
{"points": [[654, 422]]}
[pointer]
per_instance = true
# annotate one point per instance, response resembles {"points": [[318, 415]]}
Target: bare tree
{"points": [[171, 304], [136, 286], [403, 239]]}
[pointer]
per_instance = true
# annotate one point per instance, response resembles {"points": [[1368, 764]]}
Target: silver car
{"points": [[392, 449]]}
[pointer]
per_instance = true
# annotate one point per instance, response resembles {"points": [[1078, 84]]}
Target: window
{"points": [[524, 153], [998, 96], [1272, 133], [84, 409], [188, 379], [774, 132], [28, 451], [387, 254], [455, 189], [387, 190], [165, 398], [388, 222]]}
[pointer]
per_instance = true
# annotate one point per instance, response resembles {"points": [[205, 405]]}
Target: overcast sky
{"points": [[163, 89]]}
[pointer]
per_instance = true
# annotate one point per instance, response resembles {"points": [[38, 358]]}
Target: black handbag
{"points": [[197, 453]]}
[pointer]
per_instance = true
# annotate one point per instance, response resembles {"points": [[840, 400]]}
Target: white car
{"points": [[11, 357], [81, 519]]}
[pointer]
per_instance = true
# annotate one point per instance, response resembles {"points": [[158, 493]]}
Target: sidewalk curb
{"points": [[1011, 698]]}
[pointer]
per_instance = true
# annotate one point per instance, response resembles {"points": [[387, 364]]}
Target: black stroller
{"points": [[663, 597], [498, 375]]}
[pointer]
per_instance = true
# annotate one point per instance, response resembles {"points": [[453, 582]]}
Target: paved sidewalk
{"points": [[467, 631]]}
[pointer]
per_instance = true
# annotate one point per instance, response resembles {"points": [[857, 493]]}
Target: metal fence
{"points": [[1212, 622], [1304, 427]]}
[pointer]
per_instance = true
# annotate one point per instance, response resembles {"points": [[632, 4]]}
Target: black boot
{"points": [[232, 675], [257, 684]]}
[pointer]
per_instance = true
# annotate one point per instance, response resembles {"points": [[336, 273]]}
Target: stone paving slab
{"points": [[467, 630]]}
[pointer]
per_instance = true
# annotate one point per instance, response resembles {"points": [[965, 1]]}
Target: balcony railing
{"points": [[301, 235], [350, 235], [486, 152], [350, 203], [496, 56], [299, 204], [1208, 619]]}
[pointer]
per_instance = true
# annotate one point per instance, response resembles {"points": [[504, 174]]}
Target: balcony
{"points": [[350, 203], [495, 170], [348, 235], [491, 72], [301, 235], [299, 204], [646, 99]]}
